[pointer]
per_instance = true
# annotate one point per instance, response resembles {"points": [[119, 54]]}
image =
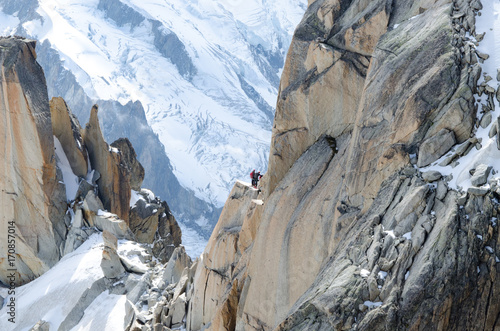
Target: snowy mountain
{"points": [[204, 72]]}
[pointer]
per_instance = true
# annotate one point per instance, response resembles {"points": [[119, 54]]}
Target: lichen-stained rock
{"points": [[66, 128], [33, 202], [114, 183]]}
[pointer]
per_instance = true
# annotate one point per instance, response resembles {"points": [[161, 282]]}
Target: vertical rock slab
{"points": [[413, 73], [215, 268], [114, 183], [322, 82], [32, 199], [67, 129]]}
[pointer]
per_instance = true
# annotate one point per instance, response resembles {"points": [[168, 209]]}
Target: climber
{"points": [[255, 178]]}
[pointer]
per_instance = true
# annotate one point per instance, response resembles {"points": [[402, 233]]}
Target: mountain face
{"points": [[379, 207], [84, 244], [192, 84]]}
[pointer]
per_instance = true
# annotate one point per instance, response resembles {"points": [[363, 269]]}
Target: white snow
{"points": [[134, 197], [212, 131], [364, 273], [105, 213], [382, 274], [46, 297], [106, 312], [149, 193], [7, 24], [71, 181], [390, 233], [371, 304], [488, 22], [407, 274], [489, 249], [192, 241], [407, 235], [479, 236], [258, 202], [132, 252]]}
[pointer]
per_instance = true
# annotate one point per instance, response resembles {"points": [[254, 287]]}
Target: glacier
{"points": [[195, 81]]}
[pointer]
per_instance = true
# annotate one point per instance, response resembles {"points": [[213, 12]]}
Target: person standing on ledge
{"points": [[255, 178]]}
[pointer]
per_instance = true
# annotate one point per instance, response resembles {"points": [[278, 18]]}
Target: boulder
{"points": [[175, 266], [111, 222], [83, 188], [41, 326], [143, 220], [129, 160], [91, 206], [110, 264], [481, 174], [163, 248], [435, 147], [178, 310], [431, 176], [168, 225]]}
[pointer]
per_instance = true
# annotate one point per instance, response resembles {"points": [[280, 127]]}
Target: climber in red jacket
{"points": [[255, 178]]}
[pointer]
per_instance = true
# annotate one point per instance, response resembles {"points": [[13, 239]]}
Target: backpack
{"points": [[252, 173]]}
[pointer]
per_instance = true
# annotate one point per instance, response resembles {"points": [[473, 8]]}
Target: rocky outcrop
{"points": [[218, 264], [130, 162], [33, 200], [111, 264], [348, 233], [66, 128], [114, 183]]}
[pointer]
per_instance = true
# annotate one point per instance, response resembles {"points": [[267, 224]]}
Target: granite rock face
{"points": [[33, 201], [347, 233], [114, 182], [67, 129]]}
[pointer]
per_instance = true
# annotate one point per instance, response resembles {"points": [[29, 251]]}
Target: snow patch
{"points": [[71, 181], [42, 298], [109, 310], [382, 274], [488, 154], [390, 233], [134, 197], [364, 273], [371, 304]]}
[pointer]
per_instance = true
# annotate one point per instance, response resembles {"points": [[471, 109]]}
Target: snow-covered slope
{"points": [[486, 150], [205, 71]]}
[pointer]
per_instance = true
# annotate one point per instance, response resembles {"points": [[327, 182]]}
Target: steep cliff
{"points": [[351, 230], [33, 201]]}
